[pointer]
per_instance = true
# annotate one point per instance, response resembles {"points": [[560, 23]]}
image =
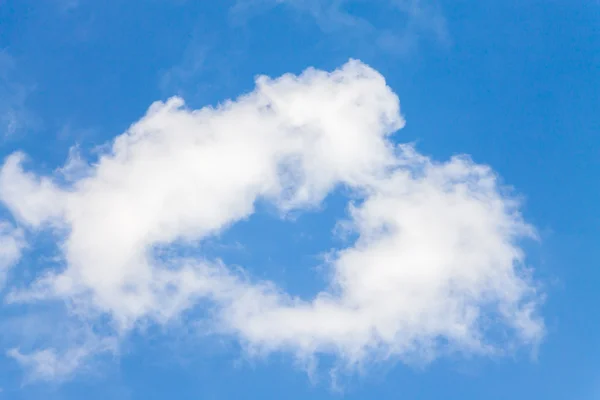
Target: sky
{"points": [[324, 199]]}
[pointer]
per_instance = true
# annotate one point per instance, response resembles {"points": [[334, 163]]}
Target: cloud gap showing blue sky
{"points": [[230, 199]]}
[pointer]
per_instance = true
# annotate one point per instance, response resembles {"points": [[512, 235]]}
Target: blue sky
{"points": [[202, 254]]}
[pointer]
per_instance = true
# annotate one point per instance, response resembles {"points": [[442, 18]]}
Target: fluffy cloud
{"points": [[437, 264]]}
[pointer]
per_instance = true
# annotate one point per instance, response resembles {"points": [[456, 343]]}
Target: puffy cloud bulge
{"points": [[436, 265]]}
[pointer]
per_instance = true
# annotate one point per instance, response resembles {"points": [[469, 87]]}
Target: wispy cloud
{"points": [[188, 69], [12, 243], [54, 365], [413, 20], [14, 113], [206, 64], [66, 6]]}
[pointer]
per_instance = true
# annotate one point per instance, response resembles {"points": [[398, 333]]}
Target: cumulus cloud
{"points": [[436, 267]]}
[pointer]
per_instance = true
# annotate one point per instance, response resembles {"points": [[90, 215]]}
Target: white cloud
{"points": [[436, 267], [46, 364], [52, 365], [12, 243]]}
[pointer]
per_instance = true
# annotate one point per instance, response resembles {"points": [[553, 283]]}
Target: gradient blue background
{"points": [[515, 84]]}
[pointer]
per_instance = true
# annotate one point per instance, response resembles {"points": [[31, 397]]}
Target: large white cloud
{"points": [[436, 266]]}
